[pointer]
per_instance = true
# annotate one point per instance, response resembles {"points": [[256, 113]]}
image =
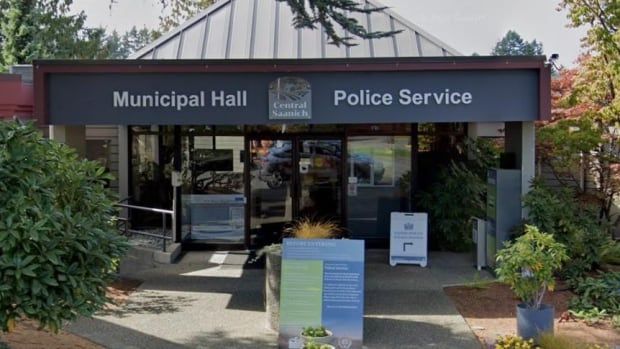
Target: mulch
{"points": [[490, 312], [27, 335]]}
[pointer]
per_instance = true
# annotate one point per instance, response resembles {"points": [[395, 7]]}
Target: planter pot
{"points": [[531, 323], [319, 340], [328, 346], [273, 267]]}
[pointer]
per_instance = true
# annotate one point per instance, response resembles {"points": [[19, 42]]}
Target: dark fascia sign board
{"points": [[234, 92]]}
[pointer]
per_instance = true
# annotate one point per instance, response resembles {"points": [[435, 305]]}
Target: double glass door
{"points": [[293, 178]]}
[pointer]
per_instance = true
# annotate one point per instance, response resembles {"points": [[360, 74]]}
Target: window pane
{"points": [[213, 190], [381, 167], [151, 167]]}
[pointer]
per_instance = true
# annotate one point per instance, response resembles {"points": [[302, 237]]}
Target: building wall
{"points": [[108, 134]]}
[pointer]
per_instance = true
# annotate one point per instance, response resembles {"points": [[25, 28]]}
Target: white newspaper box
{"points": [[409, 238]]}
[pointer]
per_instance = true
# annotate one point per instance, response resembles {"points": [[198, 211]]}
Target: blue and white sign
{"points": [[322, 294], [409, 238]]}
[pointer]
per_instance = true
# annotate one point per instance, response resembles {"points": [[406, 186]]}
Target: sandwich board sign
{"points": [[322, 293], [408, 238]]}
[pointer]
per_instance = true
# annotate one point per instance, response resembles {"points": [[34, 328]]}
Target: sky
{"points": [[467, 25]]}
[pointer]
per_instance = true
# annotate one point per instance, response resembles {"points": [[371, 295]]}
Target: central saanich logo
{"points": [[290, 98]]}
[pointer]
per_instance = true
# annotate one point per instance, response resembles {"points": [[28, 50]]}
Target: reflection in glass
{"points": [[319, 179], [271, 195], [379, 169], [151, 166], [213, 191]]}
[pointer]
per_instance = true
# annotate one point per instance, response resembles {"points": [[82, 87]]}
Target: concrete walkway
{"points": [[209, 300]]}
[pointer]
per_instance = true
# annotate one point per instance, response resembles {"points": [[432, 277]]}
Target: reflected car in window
{"points": [[276, 165]]}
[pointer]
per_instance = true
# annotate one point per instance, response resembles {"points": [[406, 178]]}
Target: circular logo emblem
{"points": [[345, 343]]}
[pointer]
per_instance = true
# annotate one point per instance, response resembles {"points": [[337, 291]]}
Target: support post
{"points": [[176, 190], [521, 140], [123, 166]]}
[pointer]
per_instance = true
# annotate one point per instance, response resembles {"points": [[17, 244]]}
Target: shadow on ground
{"points": [[224, 340], [381, 333], [114, 336], [148, 302]]}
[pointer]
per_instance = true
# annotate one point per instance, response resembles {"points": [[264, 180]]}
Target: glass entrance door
{"points": [[320, 179], [293, 178], [271, 189]]}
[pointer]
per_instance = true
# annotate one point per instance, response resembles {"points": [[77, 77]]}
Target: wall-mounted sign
{"points": [[408, 238], [268, 98], [352, 186], [290, 98], [322, 289]]}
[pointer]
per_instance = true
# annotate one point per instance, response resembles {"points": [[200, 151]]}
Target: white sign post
{"points": [[409, 238]]}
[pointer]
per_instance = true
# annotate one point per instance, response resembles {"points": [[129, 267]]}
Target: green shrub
{"points": [[596, 295], [576, 225], [615, 321], [549, 341], [611, 253], [590, 316], [58, 242], [457, 196], [528, 265], [546, 341], [316, 332], [514, 342]]}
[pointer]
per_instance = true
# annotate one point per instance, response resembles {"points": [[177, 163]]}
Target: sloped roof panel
{"points": [[248, 29]]}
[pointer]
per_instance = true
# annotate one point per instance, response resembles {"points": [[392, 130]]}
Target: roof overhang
{"points": [[46, 69]]}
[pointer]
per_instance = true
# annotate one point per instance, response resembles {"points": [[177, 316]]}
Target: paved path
{"points": [[211, 301]]}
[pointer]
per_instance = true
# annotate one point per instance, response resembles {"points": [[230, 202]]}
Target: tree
{"points": [[179, 11], [118, 46], [591, 100], [58, 242], [512, 44], [32, 29], [330, 14]]}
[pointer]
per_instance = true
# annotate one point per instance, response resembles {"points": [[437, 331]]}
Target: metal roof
{"points": [[263, 29]]}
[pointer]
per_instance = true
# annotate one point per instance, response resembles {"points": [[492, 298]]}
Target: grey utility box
{"points": [[503, 209]]}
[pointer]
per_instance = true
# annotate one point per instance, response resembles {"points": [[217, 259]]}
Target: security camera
{"points": [[553, 59]]}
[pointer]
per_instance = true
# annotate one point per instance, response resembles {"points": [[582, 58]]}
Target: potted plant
{"points": [[318, 335], [528, 265], [304, 228]]}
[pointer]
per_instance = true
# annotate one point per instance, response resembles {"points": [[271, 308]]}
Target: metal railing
{"points": [[127, 230]]}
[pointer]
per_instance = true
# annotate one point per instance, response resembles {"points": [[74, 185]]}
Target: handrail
{"points": [[148, 209], [163, 213], [133, 231]]}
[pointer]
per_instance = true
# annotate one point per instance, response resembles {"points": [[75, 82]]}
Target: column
{"points": [[521, 141], [123, 166]]}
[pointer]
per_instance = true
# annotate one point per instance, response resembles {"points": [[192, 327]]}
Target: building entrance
{"points": [[291, 178]]}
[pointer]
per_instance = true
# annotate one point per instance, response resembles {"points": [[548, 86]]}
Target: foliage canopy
{"points": [[58, 242], [39, 29], [458, 194], [587, 100], [528, 265], [335, 16], [512, 44]]}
